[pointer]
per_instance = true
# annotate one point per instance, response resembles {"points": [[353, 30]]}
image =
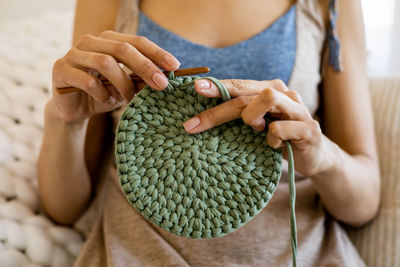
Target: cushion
{"points": [[378, 242], [28, 49]]}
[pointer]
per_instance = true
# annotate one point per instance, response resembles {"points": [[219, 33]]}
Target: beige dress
{"points": [[119, 236]]}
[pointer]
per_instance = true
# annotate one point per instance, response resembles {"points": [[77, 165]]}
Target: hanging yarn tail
{"points": [[292, 188], [292, 191]]}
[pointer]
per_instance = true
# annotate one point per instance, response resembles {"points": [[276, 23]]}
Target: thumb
{"points": [[238, 87]]}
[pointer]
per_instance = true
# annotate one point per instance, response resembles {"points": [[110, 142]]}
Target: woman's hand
{"points": [[251, 100], [101, 55]]}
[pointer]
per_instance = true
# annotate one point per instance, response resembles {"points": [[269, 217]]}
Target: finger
{"points": [[295, 96], [238, 87], [301, 133], [80, 79], [148, 48], [107, 66], [273, 101], [130, 56], [217, 115]]}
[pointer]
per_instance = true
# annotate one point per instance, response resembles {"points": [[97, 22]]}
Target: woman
{"points": [[262, 49]]}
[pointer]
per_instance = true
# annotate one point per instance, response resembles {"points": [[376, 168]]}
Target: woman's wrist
{"points": [[331, 155], [52, 117]]}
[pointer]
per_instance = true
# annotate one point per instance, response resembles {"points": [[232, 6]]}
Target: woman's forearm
{"points": [[64, 182], [350, 187]]}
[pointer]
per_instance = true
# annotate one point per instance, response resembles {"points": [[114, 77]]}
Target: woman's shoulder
{"points": [[87, 14]]}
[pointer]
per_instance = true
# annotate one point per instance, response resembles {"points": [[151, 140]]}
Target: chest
{"points": [[215, 23], [267, 55]]}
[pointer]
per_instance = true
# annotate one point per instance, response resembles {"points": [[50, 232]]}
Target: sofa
{"points": [[28, 49]]}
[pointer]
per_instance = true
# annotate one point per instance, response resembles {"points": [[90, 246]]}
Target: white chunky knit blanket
{"points": [[28, 50]]}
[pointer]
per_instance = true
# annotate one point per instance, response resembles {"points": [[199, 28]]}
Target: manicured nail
{"points": [[160, 80], [203, 84], [111, 100], [192, 123], [172, 61]]}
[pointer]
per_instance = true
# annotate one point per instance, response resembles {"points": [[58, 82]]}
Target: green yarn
{"points": [[292, 191], [200, 185]]}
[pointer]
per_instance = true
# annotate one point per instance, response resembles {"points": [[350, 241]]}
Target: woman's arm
{"points": [[350, 188], [87, 21], [64, 166], [70, 152], [342, 163], [64, 181], [94, 17]]}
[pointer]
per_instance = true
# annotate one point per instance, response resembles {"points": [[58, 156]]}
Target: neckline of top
{"points": [[143, 16]]}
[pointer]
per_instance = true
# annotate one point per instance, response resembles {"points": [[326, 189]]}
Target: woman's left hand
{"points": [[251, 100]]}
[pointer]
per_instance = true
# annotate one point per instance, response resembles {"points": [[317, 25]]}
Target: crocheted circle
{"points": [[194, 185]]}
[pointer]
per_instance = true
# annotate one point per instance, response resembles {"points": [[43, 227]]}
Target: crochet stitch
{"points": [[198, 186]]}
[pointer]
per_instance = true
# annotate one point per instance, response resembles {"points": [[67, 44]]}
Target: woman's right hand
{"points": [[102, 54]]}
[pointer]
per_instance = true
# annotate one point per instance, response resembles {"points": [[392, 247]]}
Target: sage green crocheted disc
{"points": [[194, 185]]}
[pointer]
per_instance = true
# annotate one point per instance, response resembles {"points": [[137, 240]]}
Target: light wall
{"points": [[382, 25]]}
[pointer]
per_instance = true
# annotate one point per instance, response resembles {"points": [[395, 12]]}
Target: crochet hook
{"points": [[136, 79]]}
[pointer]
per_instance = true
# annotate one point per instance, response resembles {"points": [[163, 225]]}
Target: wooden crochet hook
{"points": [[135, 78]]}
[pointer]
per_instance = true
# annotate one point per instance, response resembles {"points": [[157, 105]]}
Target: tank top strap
{"points": [[311, 34], [311, 8], [335, 59], [128, 16], [331, 54]]}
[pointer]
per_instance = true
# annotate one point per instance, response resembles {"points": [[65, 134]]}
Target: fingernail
{"points": [[191, 123], [172, 61], [111, 100], [260, 125], [160, 80], [203, 84]]}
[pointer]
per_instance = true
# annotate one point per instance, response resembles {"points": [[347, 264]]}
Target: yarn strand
{"points": [[292, 191], [292, 188]]}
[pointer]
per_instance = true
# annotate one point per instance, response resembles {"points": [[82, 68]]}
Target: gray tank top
{"points": [[268, 55]]}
